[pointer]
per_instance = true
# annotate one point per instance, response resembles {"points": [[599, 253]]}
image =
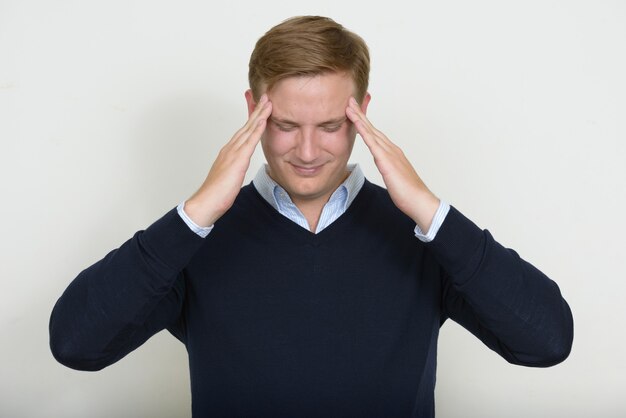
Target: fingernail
{"points": [[353, 101]]}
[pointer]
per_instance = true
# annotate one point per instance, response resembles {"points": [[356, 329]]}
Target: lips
{"points": [[306, 171]]}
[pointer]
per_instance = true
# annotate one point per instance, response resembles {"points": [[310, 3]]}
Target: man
{"points": [[310, 292]]}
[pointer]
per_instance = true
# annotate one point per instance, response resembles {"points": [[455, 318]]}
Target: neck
{"points": [[311, 209]]}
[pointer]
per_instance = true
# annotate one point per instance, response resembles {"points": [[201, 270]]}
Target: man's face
{"points": [[308, 139]]}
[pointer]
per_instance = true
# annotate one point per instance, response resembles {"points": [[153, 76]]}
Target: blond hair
{"points": [[308, 46]]}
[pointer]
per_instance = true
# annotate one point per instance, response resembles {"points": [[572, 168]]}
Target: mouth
{"points": [[306, 171]]}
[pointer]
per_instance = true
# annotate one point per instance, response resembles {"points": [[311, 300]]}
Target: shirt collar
{"points": [[276, 196]]}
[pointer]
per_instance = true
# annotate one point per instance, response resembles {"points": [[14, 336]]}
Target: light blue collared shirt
{"points": [[338, 203], [336, 206]]}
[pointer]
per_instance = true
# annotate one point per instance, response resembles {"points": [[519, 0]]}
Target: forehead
{"points": [[312, 99]]}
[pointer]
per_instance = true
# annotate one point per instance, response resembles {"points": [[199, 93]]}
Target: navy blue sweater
{"points": [[281, 322]]}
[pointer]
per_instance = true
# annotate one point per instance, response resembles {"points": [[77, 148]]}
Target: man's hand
{"points": [[407, 191], [218, 192]]}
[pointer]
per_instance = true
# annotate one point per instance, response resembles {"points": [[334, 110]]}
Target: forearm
{"points": [[108, 309], [504, 300]]}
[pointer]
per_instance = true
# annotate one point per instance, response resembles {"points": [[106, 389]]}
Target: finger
{"points": [[378, 134], [258, 108], [356, 117], [261, 112], [376, 138], [354, 105], [253, 135], [371, 136], [360, 127]]}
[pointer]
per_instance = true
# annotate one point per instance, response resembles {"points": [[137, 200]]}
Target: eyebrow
{"points": [[335, 121]]}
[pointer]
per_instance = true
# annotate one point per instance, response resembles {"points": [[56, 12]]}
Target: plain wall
{"points": [[111, 113]]}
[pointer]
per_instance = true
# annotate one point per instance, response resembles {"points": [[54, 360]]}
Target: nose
{"points": [[307, 147]]}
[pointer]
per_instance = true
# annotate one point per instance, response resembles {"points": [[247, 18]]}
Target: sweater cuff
{"points": [[459, 246], [438, 219], [201, 231], [172, 241]]}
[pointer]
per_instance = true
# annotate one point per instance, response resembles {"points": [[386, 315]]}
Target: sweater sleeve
{"points": [[502, 299], [115, 305]]}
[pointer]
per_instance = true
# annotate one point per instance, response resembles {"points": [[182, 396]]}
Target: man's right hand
{"points": [[218, 192]]}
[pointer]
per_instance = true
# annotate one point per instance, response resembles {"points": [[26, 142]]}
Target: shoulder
{"points": [[376, 205], [376, 193], [249, 208], [378, 197]]}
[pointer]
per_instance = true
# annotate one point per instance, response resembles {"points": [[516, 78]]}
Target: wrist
{"points": [[201, 214], [424, 208]]}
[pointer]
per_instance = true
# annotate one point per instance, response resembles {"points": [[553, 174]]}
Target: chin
{"points": [[304, 190]]}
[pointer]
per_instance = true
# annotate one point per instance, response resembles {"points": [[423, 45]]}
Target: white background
{"points": [[514, 112]]}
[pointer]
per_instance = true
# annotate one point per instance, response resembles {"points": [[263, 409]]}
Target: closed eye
{"points": [[284, 128], [332, 128]]}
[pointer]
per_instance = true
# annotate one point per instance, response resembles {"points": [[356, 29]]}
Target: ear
{"points": [[250, 101], [365, 102]]}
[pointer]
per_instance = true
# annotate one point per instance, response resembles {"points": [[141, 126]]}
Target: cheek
{"points": [[276, 142], [352, 131], [340, 142]]}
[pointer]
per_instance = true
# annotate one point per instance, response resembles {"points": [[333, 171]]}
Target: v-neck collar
{"points": [[296, 231], [339, 201]]}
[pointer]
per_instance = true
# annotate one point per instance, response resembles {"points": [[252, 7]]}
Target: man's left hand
{"points": [[406, 189]]}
